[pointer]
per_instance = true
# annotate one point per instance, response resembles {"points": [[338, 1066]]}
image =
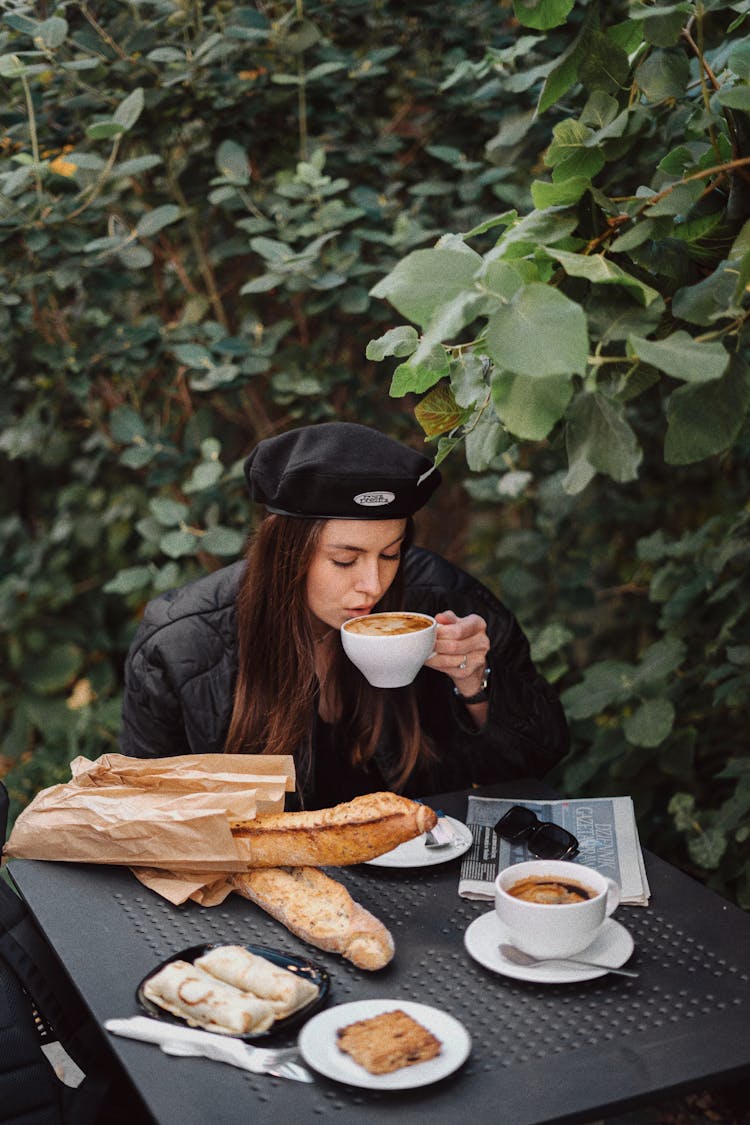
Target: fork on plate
{"points": [[442, 834]]}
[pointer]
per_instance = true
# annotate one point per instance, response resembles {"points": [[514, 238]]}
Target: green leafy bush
{"points": [[208, 212], [597, 338]]}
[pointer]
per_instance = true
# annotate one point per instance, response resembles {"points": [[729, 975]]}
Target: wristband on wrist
{"points": [[480, 696]]}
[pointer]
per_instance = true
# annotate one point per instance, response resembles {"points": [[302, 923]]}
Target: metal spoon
{"points": [[520, 958]]}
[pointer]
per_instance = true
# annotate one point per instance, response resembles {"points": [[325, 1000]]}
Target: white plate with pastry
{"points": [[346, 1044], [415, 853], [246, 991]]}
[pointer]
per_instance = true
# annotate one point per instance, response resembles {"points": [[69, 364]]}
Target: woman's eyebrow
{"points": [[360, 550]]}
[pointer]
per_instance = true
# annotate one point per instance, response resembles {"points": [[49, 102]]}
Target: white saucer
{"points": [[415, 853], [318, 1047], [612, 947]]}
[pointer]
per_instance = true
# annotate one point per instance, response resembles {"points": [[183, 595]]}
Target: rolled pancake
{"points": [[204, 1001], [286, 991]]}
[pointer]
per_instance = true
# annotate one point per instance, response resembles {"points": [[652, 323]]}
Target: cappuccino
{"points": [[551, 891], [388, 624]]}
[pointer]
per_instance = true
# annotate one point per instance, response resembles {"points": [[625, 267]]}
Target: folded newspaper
{"points": [[604, 826]]}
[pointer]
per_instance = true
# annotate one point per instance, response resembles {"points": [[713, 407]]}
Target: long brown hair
{"points": [[276, 691]]}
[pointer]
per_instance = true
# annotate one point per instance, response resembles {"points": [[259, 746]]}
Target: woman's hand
{"points": [[461, 648]]}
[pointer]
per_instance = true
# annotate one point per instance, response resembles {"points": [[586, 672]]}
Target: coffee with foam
{"points": [[388, 624]]}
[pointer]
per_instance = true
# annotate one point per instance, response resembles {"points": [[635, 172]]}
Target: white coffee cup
{"points": [[389, 648], [554, 929]]}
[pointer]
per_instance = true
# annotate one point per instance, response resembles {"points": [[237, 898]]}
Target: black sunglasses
{"points": [[543, 838]]}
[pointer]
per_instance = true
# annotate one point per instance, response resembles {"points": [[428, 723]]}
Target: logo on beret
{"points": [[374, 499]]}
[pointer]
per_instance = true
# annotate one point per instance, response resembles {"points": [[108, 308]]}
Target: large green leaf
{"points": [[130, 109], [600, 270], [569, 138], [712, 299], [469, 379], [650, 723], [485, 440], [540, 332], [706, 419], [223, 541], [604, 684], [51, 33], [501, 278], [542, 14], [708, 847], [663, 74], [415, 378], [168, 512], [529, 408], [231, 160], [659, 661], [560, 194], [545, 227], [154, 221], [427, 280], [682, 357], [178, 543], [399, 341], [126, 424], [605, 65], [599, 439], [128, 580]]}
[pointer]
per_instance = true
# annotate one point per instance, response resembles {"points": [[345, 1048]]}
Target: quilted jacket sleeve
{"points": [[152, 723], [181, 670]]}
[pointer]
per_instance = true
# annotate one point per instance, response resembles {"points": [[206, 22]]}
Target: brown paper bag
{"points": [[170, 813], [270, 775], [179, 887]]}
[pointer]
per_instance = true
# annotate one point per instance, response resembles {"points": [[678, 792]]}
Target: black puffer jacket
{"points": [[182, 667]]}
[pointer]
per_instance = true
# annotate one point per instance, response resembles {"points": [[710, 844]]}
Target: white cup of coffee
{"points": [[389, 648], [552, 907]]}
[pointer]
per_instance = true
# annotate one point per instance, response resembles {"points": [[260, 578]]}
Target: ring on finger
{"points": [[462, 665]]}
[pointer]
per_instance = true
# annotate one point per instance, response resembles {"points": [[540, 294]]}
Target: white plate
{"points": [[415, 853], [318, 1047], [612, 947]]}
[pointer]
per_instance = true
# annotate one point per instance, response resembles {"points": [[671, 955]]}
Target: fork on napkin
{"points": [[187, 1041]]}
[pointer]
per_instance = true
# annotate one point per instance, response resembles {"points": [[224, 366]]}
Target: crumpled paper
{"points": [[166, 813]]}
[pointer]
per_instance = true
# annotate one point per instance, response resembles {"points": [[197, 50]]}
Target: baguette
{"points": [[352, 832], [320, 911]]}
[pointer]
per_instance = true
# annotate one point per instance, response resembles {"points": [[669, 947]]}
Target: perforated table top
{"points": [[564, 1052]]}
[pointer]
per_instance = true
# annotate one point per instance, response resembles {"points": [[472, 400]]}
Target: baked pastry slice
{"points": [[388, 1042]]}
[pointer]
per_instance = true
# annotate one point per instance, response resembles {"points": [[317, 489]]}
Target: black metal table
{"points": [[568, 1052]]}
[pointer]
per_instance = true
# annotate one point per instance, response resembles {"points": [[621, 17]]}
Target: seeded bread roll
{"points": [[320, 911], [349, 833]]}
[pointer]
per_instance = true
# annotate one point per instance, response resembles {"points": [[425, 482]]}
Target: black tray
{"points": [[307, 969]]}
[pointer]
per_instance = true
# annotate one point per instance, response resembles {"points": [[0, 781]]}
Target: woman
{"points": [[249, 659]]}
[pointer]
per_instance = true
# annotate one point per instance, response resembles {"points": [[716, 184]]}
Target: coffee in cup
{"points": [[388, 624], [554, 892], [389, 648], [554, 908]]}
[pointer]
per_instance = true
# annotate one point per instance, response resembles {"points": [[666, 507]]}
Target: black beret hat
{"points": [[339, 470]]}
